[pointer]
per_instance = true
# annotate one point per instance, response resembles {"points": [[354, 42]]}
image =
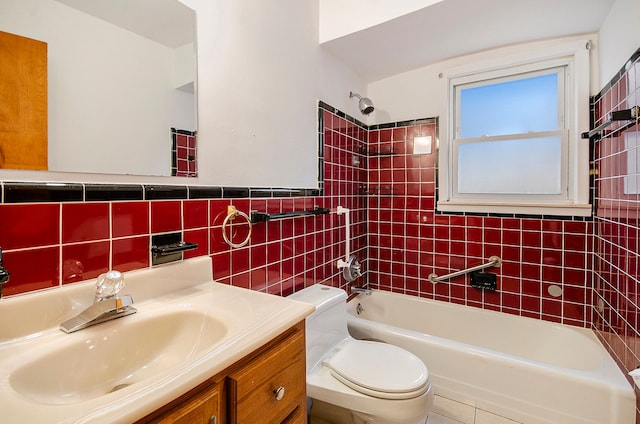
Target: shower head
{"points": [[365, 103]]}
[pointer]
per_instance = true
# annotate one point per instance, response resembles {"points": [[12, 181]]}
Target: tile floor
{"points": [[447, 411]]}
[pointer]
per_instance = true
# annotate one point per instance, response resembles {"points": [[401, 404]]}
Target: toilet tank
{"points": [[327, 326]]}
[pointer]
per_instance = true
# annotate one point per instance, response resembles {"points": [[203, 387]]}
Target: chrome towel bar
{"points": [[493, 261]]}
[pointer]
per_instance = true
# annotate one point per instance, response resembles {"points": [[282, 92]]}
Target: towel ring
{"points": [[232, 213]]}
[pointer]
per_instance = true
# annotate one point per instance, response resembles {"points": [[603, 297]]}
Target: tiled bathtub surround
{"points": [[78, 232], [616, 309], [408, 240]]}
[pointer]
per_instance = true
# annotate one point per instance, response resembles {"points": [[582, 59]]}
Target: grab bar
{"points": [[632, 114], [347, 236], [264, 217], [493, 261]]}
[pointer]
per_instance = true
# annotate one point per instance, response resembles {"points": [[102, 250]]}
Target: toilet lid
{"points": [[379, 369]]}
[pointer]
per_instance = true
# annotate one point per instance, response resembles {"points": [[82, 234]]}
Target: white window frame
{"points": [[573, 57]]}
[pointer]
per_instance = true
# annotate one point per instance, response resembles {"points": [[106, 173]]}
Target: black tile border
{"points": [[28, 192], [341, 114], [183, 132], [236, 192], [635, 56], [53, 192], [204, 192], [324, 106], [113, 192], [165, 192]]}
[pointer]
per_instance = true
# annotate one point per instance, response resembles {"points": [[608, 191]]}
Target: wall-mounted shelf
{"points": [[381, 152], [629, 115], [264, 217], [377, 191], [387, 151], [169, 247]]}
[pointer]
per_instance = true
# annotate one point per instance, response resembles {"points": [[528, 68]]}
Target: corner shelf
{"points": [[389, 151], [377, 191]]}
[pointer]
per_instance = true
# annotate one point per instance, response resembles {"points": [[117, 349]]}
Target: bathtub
{"points": [[528, 370]]}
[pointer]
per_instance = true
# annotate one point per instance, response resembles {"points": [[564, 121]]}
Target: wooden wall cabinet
{"points": [[23, 103], [267, 386]]}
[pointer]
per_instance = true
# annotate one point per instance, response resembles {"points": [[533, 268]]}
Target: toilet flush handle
{"points": [[279, 393]]}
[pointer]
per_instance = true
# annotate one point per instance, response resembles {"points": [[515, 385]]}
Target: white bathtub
{"points": [[525, 369]]}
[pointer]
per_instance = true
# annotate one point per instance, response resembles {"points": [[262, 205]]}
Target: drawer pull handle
{"points": [[279, 392]]}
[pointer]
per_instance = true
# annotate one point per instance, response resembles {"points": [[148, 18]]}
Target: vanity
{"points": [[196, 351], [267, 386]]}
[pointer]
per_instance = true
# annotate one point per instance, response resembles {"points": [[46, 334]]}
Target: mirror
{"points": [[121, 76]]}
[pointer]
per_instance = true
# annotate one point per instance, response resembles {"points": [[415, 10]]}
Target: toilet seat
{"points": [[378, 369]]}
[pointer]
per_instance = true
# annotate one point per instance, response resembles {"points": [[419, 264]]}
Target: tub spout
{"points": [[356, 289], [635, 374]]}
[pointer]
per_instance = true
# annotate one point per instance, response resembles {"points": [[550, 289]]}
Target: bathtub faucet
{"points": [[4, 274], [356, 289]]}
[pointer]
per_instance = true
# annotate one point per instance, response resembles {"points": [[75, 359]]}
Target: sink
{"points": [[188, 328], [115, 355]]}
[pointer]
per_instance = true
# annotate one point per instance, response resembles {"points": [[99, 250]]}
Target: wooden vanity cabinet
{"points": [[267, 386], [201, 407]]}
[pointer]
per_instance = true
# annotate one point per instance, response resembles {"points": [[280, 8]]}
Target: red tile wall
{"points": [[395, 230], [616, 282], [49, 244], [408, 241], [185, 154]]}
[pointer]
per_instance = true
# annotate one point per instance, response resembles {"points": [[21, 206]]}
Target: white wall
{"points": [[421, 93], [619, 38], [260, 74]]}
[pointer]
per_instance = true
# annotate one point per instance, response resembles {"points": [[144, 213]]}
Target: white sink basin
{"points": [[187, 329], [119, 354]]}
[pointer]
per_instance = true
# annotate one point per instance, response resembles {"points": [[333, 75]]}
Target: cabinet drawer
{"points": [[253, 389], [203, 408]]}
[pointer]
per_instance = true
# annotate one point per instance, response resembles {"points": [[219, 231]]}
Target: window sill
{"points": [[583, 210]]}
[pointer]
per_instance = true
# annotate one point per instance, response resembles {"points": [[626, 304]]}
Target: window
{"points": [[513, 143]]}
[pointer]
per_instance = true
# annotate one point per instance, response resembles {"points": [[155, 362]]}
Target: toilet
{"points": [[355, 381]]}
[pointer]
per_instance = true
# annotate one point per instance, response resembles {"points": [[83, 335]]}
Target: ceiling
{"points": [[454, 28], [168, 22]]}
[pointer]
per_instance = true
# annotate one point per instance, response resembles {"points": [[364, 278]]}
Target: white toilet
{"points": [[356, 381]]}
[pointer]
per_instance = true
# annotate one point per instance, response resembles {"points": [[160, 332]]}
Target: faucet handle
{"points": [[4, 274], [109, 284]]}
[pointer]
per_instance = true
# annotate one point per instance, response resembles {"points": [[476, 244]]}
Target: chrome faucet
{"points": [[107, 304], [4, 274], [356, 289]]}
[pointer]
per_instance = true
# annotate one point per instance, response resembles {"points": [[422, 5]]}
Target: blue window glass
{"points": [[509, 107]]}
